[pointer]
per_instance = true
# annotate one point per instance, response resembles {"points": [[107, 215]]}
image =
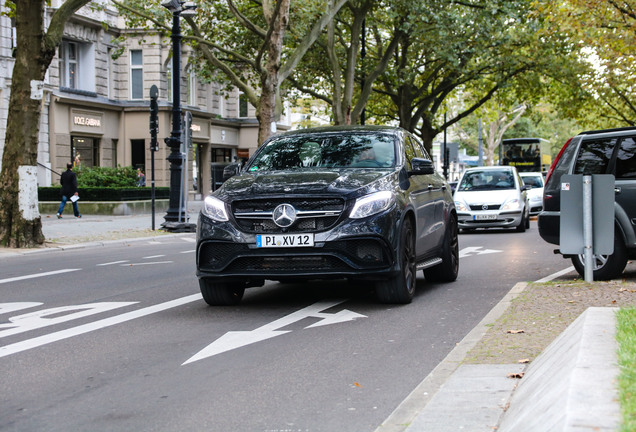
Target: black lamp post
{"points": [[176, 217]]}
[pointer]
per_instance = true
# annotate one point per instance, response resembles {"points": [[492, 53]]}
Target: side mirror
{"points": [[231, 170], [421, 166]]}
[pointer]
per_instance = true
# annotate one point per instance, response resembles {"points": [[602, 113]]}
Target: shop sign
{"points": [[87, 121]]}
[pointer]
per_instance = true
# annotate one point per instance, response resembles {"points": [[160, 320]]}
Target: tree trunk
{"points": [[21, 223]]}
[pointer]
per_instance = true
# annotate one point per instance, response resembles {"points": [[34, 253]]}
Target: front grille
{"points": [[314, 214], [478, 207], [343, 255]]}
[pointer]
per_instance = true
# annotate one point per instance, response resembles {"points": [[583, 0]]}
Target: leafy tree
{"points": [[245, 42], [605, 33], [36, 46]]}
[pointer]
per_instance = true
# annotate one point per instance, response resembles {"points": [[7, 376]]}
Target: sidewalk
{"points": [[454, 396]]}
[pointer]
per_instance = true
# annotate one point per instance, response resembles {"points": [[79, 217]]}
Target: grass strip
{"points": [[626, 337]]}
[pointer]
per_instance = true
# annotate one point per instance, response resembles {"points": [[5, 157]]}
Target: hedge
{"points": [[105, 194]]}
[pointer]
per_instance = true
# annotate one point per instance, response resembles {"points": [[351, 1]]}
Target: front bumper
{"points": [[361, 249], [474, 219]]}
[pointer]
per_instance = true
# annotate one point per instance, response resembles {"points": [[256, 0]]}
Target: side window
{"points": [[594, 156], [409, 152], [417, 148], [626, 159]]}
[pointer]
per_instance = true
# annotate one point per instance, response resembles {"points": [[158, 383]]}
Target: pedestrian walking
{"points": [[68, 180], [141, 178]]}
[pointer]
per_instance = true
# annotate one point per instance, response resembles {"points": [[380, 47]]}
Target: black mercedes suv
{"points": [[354, 202], [611, 151]]}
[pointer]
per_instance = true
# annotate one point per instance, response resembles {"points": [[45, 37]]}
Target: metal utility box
{"points": [[572, 219]]}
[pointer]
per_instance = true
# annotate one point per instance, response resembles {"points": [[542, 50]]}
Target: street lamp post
{"points": [[176, 218]]}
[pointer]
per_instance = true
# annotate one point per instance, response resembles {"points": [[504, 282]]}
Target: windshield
{"points": [[534, 181], [487, 180], [363, 150]]}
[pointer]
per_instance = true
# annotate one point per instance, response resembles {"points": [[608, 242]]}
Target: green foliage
{"points": [[106, 177], [626, 338]]}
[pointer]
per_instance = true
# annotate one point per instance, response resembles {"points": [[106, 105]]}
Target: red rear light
{"points": [[556, 160]]}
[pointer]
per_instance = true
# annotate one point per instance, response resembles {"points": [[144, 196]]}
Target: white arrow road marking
{"points": [[476, 250], [12, 307], [106, 322], [47, 317], [36, 275], [236, 339]]}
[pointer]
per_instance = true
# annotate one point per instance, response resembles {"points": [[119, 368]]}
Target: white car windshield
{"points": [[487, 180]]}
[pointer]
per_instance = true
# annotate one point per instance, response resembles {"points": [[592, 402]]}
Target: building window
{"points": [[136, 74], [192, 87], [169, 81], [85, 151], [242, 105], [77, 66], [69, 65]]}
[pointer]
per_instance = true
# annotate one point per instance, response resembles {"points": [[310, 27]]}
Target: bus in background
{"points": [[526, 154]]}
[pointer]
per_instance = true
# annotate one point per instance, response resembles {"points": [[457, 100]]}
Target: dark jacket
{"points": [[68, 180]]}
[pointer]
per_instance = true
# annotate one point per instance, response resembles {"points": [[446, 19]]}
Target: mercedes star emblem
{"points": [[284, 215]]}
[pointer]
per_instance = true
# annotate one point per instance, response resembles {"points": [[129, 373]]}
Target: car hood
{"points": [[301, 182], [535, 193], [486, 197]]}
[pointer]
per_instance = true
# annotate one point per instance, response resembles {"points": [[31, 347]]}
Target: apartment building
{"points": [[96, 103]]}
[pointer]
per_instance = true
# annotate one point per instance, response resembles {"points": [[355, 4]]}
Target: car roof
{"points": [[344, 128], [530, 173], [491, 168]]}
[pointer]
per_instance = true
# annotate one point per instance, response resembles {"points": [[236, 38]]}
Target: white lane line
{"points": [[188, 251], [107, 322], [556, 275], [112, 263], [36, 275], [153, 256], [189, 239], [146, 263]]}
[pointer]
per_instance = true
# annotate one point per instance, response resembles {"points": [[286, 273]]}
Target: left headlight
{"points": [[513, 204], [215, 209], [371, 204]]}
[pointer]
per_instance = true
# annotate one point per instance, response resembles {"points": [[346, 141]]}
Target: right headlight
{"points": [[215, 209]]}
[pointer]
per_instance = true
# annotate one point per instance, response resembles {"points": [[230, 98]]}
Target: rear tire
{"points": [[221, 293], [449, 268], [522, 225], [605, 267], [401, 287]]}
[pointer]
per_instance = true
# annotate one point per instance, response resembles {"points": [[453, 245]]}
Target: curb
{"points": [[407, 412]]}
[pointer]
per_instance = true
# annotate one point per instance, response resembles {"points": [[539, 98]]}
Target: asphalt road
{"points": [[118, 338]]}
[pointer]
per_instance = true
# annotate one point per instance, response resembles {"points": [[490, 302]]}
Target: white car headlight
{"points": [[461, 206], [513, 204], [215, 209], [371, 204]]}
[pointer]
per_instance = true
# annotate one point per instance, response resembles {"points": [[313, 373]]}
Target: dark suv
{"points": [[611, 151], [362, 203]]}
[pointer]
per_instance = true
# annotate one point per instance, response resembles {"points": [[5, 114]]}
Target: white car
{"points": [[534, 180], [492, 197]]}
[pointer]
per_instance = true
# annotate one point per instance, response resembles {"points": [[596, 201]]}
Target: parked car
{"points": [[362, 203], [534, 181], [489, 197], [611, 151]]}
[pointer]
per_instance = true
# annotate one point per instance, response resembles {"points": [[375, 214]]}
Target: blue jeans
{"points": [[63, 203]]}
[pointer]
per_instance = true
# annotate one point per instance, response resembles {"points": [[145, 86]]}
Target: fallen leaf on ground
{"points": [[515, 331], [523, 361], [516, 375]]}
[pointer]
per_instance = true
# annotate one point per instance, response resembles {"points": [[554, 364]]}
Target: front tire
{"points": [[401, 287], [605, 267], [448, 270], [221, 293]]}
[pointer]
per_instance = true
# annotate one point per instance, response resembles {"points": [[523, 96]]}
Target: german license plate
{"points": [[485, 217], [284, 240]]}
